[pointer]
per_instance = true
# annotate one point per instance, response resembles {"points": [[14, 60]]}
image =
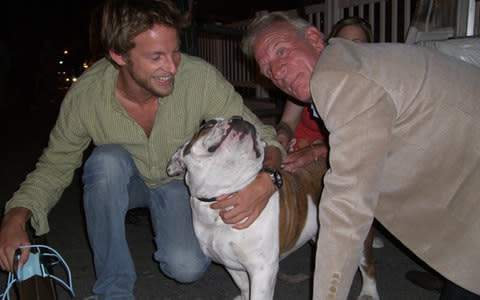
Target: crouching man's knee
{"points": [[184, 268]]}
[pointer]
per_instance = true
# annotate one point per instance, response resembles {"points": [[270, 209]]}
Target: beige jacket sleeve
{"points": [[359, 115]]}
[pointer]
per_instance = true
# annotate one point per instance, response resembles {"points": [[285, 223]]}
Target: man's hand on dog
{"points": [[243, 207]]}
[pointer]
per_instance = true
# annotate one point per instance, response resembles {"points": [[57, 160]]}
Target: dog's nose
{"points": [[236, 121], [240, 125]]}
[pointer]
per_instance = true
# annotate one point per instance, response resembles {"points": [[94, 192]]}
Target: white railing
{"points": [[390, 20], [383, 15], [319, 15], [476, 26], [224, 53]]}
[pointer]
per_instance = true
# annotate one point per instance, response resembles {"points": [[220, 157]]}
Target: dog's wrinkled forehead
{"points": [[219, 129]]}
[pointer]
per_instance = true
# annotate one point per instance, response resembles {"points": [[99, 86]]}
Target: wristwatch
{"points": [[276, 177]]}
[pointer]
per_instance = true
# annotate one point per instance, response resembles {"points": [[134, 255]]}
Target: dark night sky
{"points": [[26, 27]]}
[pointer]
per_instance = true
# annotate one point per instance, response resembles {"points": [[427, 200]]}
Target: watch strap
{"points": [[276, 177]]}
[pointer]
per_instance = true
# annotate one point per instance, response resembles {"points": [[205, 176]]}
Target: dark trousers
{"points": [[451, 291]]}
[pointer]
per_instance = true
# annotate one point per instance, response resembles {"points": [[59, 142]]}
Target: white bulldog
{"points": [[225, 156]]}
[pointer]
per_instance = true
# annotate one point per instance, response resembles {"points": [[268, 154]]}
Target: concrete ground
{"points": [[24, 134]]}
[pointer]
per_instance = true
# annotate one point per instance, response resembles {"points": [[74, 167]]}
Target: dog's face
{"points": [[223, 157]]}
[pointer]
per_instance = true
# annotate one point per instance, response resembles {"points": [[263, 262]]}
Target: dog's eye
{"points": [[210, 124], [205, 126]]}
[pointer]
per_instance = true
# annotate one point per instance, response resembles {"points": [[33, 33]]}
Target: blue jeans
{"points": [[112, 186]]}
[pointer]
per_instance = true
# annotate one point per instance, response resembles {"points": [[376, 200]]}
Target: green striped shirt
{"points": [[90, 112]]}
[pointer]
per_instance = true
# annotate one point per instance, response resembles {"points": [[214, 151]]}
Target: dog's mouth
{"points": [[239, 125], [235, 124]]}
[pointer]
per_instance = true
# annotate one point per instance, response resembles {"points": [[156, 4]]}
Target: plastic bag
{"points": [[466, 49]]}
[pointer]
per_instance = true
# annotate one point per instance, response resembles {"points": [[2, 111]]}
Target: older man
{"points": [[404, 127]]}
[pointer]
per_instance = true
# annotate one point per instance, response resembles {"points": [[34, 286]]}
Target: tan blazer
{"points": [[404, 126]]}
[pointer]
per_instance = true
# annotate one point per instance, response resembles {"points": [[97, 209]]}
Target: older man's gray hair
{"points": [[263, 22]]}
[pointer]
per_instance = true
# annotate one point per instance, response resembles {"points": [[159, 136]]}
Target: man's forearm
{"points": [[17, 215], [273, 157], [285, 129]]}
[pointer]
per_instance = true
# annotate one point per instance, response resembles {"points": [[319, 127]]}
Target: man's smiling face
{"points": [[153, 62]]}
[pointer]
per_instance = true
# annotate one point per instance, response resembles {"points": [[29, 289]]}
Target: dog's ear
{"points": [[175, 165]]}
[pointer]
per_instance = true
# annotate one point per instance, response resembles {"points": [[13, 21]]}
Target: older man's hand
{"points": [[303, 156]]}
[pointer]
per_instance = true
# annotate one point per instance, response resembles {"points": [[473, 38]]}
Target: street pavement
{"points": [[25, 134]]}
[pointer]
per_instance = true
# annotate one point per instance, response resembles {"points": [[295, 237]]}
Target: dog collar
{"points": [[207, 199]]}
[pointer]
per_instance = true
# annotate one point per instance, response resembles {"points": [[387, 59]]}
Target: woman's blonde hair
{"points": [[357, 21]]}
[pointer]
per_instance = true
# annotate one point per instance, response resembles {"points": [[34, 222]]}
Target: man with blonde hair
{"points": [[137, 107]]}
